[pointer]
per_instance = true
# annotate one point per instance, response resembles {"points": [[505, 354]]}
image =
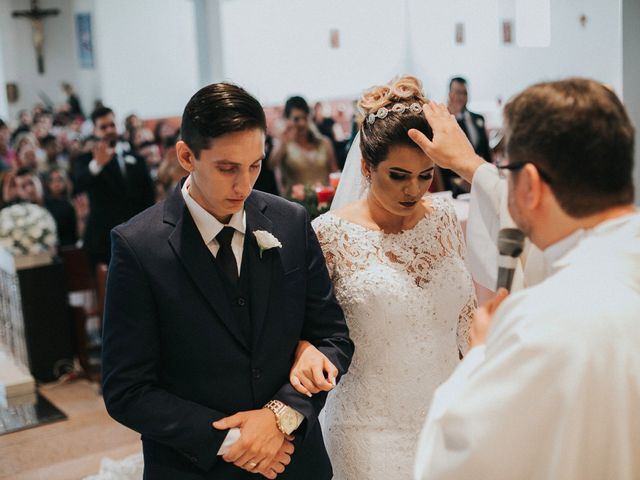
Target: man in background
{"points": [[117, 182], [472, 124]]}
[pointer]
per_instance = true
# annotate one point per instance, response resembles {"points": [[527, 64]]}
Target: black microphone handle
{"points": [[505, 278]]}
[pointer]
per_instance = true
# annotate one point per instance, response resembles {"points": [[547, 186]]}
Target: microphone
{"points": [[510, 246]]}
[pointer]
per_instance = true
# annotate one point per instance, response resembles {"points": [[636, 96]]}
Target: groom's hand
{"points": [[260, 446], [310, 366]]}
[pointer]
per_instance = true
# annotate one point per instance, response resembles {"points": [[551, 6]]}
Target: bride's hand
{"points": [[307, 375]]}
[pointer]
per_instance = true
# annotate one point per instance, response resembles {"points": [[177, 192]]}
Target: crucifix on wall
{"points": [[37, 15]]}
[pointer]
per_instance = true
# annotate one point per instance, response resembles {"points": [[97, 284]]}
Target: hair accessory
{"points": [[396, 108]]}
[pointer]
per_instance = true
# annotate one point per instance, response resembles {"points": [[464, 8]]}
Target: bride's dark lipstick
{"points": [[408, 204]]}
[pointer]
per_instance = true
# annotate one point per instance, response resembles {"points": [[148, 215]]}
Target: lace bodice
{"points": [[408, 300]]}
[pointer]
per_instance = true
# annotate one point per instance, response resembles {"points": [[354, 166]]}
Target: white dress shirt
{"points": [[555, 394], [209, 226]]}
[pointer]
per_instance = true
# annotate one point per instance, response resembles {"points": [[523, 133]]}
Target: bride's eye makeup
{"points": [[400, 175], [397, 176]]}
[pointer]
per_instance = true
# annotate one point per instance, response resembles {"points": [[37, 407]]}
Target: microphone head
{"points": [[510, 242]]}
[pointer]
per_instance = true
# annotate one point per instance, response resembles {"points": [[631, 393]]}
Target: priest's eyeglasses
{"points": [[512, 167]]}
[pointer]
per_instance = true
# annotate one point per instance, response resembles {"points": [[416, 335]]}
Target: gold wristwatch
{"points": [[287, 419]]}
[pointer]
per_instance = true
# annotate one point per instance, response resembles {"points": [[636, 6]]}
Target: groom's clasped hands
{"points": [[262, 448]]}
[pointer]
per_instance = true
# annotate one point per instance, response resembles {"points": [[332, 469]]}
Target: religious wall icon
{"points": [[37, 16], [334, 38], [12, 92], [459, 33], [507, 32], [583, 20]]}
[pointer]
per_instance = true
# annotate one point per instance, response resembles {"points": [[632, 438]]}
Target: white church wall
{"points": [[146, 51], [276, 48], [279, 47], [496, 70]]}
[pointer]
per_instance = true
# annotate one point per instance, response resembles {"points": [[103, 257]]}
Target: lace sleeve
{"points": [[324, 231], [466, 313]]}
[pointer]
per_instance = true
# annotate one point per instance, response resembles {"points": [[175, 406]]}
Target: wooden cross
{"points": [[37, 15]]}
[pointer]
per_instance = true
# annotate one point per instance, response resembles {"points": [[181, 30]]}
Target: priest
{"points": [[551, 386]]}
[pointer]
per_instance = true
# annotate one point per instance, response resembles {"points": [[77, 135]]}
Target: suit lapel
{"points": [[260, 269], [187, 243]]}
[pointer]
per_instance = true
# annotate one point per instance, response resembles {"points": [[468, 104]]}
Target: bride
{"points": [[396, 259]]}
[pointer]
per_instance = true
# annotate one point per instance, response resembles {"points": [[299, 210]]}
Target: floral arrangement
{"points": [[316, 200], [27, 229]]}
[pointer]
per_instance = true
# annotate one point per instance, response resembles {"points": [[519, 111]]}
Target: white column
{"points": [[631, 74]]}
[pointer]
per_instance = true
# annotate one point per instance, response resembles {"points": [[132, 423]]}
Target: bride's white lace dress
{"points": [[408, 299]]}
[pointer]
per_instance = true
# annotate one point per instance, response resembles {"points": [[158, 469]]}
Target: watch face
{"points": [[288, 421]]}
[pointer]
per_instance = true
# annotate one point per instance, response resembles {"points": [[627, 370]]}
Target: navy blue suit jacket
{"points": [[174, 359]]}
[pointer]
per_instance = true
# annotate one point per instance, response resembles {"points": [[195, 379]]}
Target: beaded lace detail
{"points": [[408, 300]]}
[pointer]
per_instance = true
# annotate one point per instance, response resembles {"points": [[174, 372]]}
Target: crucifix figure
{"points": [[37, 15]]}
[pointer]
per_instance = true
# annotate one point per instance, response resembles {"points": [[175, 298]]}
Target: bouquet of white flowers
{"points": [[27, 229]]}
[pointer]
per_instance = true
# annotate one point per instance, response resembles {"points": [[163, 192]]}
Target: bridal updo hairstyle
{"points": [[376, 138]]}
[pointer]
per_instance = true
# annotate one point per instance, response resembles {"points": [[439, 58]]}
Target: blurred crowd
{"points": [[93, 172]]}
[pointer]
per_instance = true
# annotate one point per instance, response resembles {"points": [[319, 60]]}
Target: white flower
{"points": [[27, 229], [266, 241], [130, 159], [35, 231]]}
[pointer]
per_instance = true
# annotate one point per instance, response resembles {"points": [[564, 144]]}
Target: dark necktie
{"points": [[225, 257], [463, 125]]}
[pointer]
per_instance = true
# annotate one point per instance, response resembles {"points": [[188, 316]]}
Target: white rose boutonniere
{"points": [[266, 241], [130, 159]]}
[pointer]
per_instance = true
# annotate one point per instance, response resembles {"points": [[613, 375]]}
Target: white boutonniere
{"points": [[130, 159], [479, 122], [266, 241]]}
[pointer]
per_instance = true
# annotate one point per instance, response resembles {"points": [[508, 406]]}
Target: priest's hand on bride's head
{"points": [[312, 371], [450, 147], [483, 318]]}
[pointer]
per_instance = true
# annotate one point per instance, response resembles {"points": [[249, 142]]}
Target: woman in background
{"points": [[301, 154]]}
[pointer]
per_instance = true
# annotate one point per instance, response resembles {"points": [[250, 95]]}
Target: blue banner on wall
{"points": [[85, 42]]}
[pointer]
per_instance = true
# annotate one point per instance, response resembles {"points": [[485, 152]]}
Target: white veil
{"points": [[352, 185]]}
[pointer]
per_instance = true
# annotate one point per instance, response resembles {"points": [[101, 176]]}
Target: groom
{"points": [[208, 295]]}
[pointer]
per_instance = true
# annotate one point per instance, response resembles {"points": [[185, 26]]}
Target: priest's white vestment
{"points": [[555, 394]]}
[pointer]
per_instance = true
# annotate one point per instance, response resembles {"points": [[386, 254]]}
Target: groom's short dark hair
{"points": [[216, 110]]}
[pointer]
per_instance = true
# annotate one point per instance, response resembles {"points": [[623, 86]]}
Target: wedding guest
{"points": [[117, 182], [58, 201], [73, 101], [6, 152], [28, 186], [472, 124], [8, 191], [301, 154], [551, 386]]}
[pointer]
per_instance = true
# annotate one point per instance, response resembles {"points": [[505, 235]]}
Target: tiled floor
{"points": [[70, 449]]}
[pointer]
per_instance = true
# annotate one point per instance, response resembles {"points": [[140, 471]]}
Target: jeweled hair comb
{"points": [[396, 108]]}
